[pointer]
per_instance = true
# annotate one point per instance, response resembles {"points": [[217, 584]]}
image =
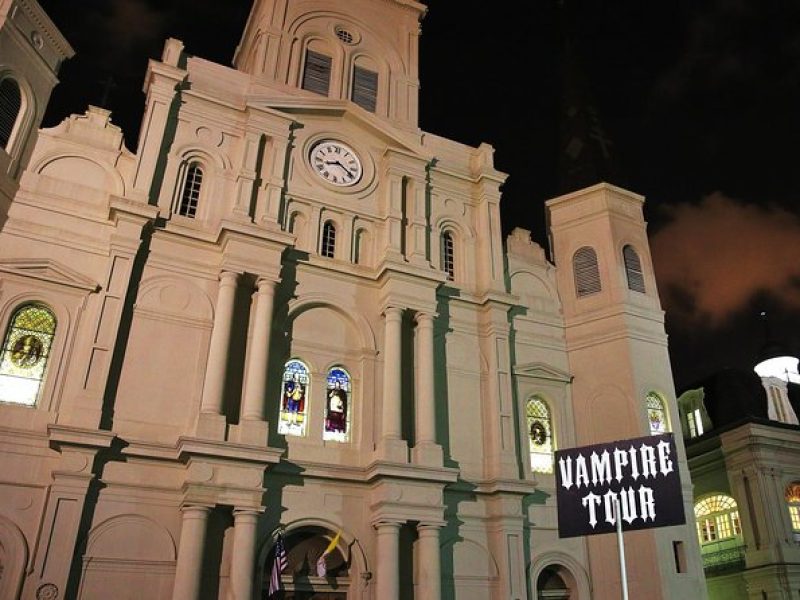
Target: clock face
{"points": [[335, 163]]}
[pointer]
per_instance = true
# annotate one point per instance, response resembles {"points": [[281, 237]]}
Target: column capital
{"points": [[265, 284], [228, 277], [430, 526], [387, 524], [245, 512], [196, 509], [393, 312], [425, 318]]}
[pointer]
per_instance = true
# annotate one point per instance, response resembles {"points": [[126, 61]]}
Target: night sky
{"points": [[697, 104]]}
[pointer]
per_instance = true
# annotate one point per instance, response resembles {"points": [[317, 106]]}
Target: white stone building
{"points": [[291, 310]]}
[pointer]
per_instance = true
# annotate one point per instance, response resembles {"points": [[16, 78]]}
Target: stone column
{"points": [[243, 556], [214, 385], [393, 446], [388, 565], [188, 570], [426, 450], [253, 403], [430, 570]]}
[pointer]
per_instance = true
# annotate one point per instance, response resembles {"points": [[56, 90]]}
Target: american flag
{"points": [[278, 565]]}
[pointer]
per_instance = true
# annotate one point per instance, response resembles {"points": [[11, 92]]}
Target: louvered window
{"points": [[587, 274], [448, 256], [633, 269], [365, 88], [328, 245], [317, 73], [190, 195], [10, 105]]}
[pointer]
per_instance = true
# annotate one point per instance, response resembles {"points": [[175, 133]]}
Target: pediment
{"points": [[408, 141], [542, 371], [48, 270]]}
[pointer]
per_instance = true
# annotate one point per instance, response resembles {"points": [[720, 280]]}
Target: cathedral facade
{"points": [[291, 313]]}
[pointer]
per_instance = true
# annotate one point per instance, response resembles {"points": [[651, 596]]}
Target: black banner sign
{"points": [[642, 473]]}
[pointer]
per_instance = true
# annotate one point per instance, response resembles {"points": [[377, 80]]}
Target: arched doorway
{"points": [[550, 584], [301, 580]]}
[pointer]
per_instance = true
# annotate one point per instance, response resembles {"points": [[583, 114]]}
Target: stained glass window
{"points": [[25, 354], [656, 414], [540, 435], [294, 399], [717, 518], [10, 107], [337, 406]]}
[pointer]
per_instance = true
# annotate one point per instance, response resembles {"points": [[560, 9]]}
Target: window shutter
{"points": [[10, 105], [365, 88], [587, 274], [317, 73], [633, 269]]}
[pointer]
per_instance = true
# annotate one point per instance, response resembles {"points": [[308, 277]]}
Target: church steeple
{"points": [[777, 369], [362, 51]]}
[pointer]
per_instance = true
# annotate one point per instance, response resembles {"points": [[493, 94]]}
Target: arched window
{"points": [[717, 519], [26, 351], [294, 399], [358, 247], [10, 107], [327, 247], [656, 414], [337, 406], [190, 193], [364, 90], [792, 496], [540, 435], [448, 258], [633, 269], [586, 271], [317, 72]]}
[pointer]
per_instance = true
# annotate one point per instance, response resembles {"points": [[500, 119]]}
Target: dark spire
{"points": [[585, 148]]}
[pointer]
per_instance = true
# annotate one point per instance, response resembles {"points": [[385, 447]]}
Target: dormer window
{"points": [[317, 73]]}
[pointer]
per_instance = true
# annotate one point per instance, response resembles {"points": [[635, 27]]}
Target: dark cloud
{"points": [[714, 258]]}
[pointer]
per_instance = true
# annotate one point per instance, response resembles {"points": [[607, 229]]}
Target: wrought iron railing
{"points": [[726, 559]]}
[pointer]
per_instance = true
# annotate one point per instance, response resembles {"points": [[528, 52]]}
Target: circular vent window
{"points": [[344, 34]]}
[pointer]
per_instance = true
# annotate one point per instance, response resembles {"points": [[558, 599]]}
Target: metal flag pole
{"points": [[621, 545]]}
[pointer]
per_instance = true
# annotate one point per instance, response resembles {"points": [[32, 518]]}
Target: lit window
{"points": [[10, 107], [328, 244], [717, 519], [337, 406], [317, 73], [190, 194], [633, 269], [695, 422], [586, 272], [26, 351], [792, 496], [294, 405], [448, 255], [540, 435], [656, 414]]}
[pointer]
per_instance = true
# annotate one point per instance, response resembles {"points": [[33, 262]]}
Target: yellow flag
{"points": [[333, 543]]}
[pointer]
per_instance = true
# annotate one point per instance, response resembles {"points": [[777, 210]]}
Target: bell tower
{"points": [[31, 53], [617, 352], [360, 51]]}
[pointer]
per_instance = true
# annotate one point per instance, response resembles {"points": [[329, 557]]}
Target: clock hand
{"points": [[336, 162]]}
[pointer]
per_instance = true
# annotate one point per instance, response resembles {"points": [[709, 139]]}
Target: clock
{"points": [[335, 163]]}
